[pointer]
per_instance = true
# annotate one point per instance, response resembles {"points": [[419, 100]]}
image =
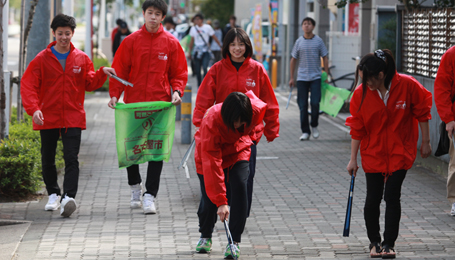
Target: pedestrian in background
{"points": [[153, 61], [120, 36], [200, 34], [222, 153], [308, 51], [385, 110], [53, 93], [230, 25], [169, 26], [444, 95], [215, 48], [114, 32], [249, 75]]}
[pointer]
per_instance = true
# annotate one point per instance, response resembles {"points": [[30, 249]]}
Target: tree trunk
{"points": [[23, 52], [2, 81]]}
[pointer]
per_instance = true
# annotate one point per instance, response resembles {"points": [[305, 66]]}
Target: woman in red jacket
{"points": [[222, 152], [385, 110], [238, 72]]}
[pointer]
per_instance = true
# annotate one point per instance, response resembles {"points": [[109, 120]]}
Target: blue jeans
{"points": [[303, 88], [198, 63]]}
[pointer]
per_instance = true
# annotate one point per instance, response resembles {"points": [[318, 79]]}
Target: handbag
{"points": [[212, 56], [444, 140]]}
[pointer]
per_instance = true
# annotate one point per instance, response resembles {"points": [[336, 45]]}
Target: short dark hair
{"points": [[309, 19], [158, 4], [242, 36], [236, 106], [170, 20], [200, 16], [233, 17], [119, 21], [62, 20]]}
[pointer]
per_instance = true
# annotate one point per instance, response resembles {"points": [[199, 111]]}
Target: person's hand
{"points": [[291, 83], [109, 71], [425, 149], [223, 212], [38, 117], [450, 127], [112, 102], [176, 100], [352, 167]]}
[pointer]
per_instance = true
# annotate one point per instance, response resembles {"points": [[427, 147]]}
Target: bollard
{"points": [[274, 73], [186, 116], [178, 113]]}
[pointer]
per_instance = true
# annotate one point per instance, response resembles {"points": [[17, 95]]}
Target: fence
{"points": [[426, 35]]}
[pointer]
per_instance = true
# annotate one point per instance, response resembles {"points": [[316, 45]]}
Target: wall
{"points": [[439, 166]]}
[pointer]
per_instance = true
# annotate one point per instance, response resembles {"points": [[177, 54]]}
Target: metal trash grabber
{"points": [[289, 98], [229, 237], [347, 220], [124, 82], [185, 159]]}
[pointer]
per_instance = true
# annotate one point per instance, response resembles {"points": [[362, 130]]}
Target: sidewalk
{"points": [[298, 209]]}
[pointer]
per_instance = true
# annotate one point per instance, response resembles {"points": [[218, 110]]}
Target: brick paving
{"points": [[298, 209]]}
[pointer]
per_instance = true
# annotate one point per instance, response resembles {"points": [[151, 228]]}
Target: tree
{"points": [[218, 9]]}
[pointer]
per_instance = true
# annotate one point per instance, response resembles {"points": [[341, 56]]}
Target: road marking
{"points": [[266, 158]]}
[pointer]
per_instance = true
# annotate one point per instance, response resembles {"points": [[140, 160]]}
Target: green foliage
{"points": [[20, 159], [218, 9], [343, 3], [16, 4], [98, 63], [444, 3]]}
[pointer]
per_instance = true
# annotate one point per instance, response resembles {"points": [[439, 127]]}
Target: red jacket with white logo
{"points": [[444, 87], [153, 62], [223, 79], [218, 147], [389, 134], [58, 93]]}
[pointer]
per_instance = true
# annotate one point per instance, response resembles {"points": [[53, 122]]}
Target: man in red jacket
{"points": [[444, 92], [53, 92], [153, 60]]}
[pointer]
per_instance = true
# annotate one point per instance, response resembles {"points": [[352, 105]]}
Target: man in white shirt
{"points": [[200, 34]]}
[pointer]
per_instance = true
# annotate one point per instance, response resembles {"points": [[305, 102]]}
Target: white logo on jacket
{"points": [[162, 56], [76, 69], [400, 105], [250, 83]]}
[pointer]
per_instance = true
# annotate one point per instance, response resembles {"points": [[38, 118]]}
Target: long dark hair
{"points": [[371, 65]]}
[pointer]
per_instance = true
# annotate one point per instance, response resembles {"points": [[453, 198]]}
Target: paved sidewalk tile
{"points": [[298, 209]]}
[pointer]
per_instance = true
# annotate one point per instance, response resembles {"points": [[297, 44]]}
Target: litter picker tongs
{"points": [[124, 82]]}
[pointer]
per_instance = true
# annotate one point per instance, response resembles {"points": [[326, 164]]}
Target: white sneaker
{"points": [[148, 204], [304, 136], [136, 192], [452, 212], [315, 132], [53, 203], [68, 206]]}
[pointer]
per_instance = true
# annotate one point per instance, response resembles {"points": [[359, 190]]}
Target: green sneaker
{"points": [[229, 255], [204, 245]]}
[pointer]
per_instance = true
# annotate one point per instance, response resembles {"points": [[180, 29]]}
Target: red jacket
{"points": [[389, 134], [223, 79], [218, 147], [153, 62], [444, 86], [59, 94]]}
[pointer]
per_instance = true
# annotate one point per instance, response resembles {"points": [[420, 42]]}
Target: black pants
{"points": [[238, 176], [392, 195], [251, 176], [152, 184], [71, 139]]}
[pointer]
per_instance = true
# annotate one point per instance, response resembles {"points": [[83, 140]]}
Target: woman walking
{"points": [[385, 111], [237, 71]]}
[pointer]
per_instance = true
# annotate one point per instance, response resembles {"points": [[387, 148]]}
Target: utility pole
{"points": [[3, 118]]}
